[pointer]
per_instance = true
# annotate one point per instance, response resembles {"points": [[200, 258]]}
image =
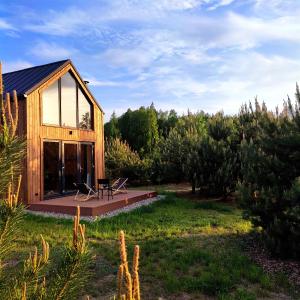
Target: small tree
{"points": [[178, 150], [121, 161], [270, 187], [217, 153], [139, 129], [111, 128]]}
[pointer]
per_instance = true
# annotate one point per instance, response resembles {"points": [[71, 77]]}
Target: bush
{"points": [[270, 187], [217, 157], [121, 161]]}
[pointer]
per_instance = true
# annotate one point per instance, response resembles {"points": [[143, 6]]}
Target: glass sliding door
{"points": [[65, 163], [52, 168], [87, 164], [70, 167]]}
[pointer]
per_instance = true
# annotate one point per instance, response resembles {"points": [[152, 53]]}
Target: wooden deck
{"points": [[93, 207]]}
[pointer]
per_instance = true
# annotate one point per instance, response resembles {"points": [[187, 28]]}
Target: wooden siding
{"points": [[36, 133]]}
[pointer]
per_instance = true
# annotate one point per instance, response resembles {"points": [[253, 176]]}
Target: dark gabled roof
{"points": [[27, 80], [24, 81]]}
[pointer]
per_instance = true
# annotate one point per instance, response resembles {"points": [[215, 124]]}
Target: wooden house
{"points": [[63, 127]]}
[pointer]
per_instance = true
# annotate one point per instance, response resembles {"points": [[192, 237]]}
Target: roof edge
{"points": [[91, 94], [67, 62], [59, 61], [47, 77]]}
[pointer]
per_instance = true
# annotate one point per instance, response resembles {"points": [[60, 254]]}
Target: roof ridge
{"points": [[55, 62]]}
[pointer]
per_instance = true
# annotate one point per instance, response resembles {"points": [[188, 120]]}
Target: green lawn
{"points": [[189, 250]]}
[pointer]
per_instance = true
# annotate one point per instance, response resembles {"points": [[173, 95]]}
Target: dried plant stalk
{"points": [[9, 121], [128, 286], [8, 110], [16, 107], [12, 198], [79, 239], [120, 280], [123, 251], [135, 270], [132, 285], [1, 80], [24, 292]]}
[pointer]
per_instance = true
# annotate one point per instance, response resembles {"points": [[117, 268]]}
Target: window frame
{"points": [[59, 86], [42, 106], [91, 108]]}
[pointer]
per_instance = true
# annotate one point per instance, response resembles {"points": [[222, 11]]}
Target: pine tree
{"points": [[270, 188]]}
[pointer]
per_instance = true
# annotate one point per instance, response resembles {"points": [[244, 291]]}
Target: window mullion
{"points": [[59, 98]]}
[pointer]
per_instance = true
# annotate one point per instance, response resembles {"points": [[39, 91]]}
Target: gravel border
{"points": [[110, 214]]}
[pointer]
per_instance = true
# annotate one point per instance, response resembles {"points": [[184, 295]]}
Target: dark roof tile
{"points": [[24, 80]]}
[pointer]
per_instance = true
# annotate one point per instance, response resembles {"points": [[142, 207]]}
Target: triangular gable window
{"points": [[84, 111], [64, 104]]}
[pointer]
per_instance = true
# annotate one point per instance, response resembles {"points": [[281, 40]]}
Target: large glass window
{"points": [[51, 104], [64, 104], [84, 111], [68, 101]]}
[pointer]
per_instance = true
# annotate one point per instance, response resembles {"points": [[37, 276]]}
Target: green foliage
{"points": [[121, 161], [174, 152], [71, 273], [270, 187], [257, 151], [10, 225], [217, 157], [139, 128], [166, 120], [203, 150], [111, 128]]}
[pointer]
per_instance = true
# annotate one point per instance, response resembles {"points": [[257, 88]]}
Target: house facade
{"points": [[63, 127]]}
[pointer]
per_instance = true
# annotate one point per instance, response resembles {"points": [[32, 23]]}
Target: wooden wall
{"points": [[37, 132]]}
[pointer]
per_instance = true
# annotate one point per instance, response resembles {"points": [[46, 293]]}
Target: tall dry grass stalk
{"points": [[12, 198], [78, 233], [1, 80], [135, 274], [10, 116], [24, 292], [128, 284], [36, 261]]}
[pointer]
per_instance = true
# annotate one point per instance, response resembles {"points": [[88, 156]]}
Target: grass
{"points": [[189, 250]]}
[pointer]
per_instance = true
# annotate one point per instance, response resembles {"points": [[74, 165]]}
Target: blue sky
{"points": [[206, 55]]}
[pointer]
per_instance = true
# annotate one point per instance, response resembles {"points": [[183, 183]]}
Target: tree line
{"points": [[254, 155]]}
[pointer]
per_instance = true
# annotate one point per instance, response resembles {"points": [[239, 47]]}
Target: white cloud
{"points": [[177, 50], [105, 83], [10, 66], [51, 51], [176, 4], [5, 25], [247, 75], [276, 6], [220, 3], [95, 82], [181, 87], [56, 23]]}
